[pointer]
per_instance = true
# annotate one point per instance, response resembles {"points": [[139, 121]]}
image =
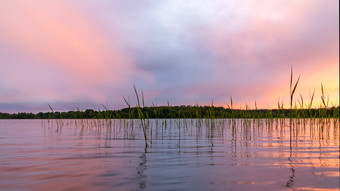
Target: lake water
{"points": [[185, 154]]}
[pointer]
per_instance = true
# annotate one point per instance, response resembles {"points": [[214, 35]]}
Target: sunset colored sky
{"points": [[85, 53]]}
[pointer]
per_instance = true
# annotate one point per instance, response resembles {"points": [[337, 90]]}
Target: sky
{"points": [[84, 53]]}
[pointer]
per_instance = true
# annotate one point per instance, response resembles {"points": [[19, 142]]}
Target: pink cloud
{"points": [[60, 51], [58, 38], [257, 53]]}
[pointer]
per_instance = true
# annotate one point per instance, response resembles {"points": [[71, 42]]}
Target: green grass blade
{"points": [[127, 102], [137, 97], [50, 107]]}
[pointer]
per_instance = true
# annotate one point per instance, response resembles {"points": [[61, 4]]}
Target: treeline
{"points": [[179, 112]]}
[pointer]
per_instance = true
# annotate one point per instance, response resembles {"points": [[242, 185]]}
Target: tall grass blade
{"points": [[311, 100], [292, 91], [323, 97], [50, 107], [127, 102], [143, 99], [134, 87]]}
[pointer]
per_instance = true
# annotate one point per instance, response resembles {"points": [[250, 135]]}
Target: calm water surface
{"points": [[184, 155]]}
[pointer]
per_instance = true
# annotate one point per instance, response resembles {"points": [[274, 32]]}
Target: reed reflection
{"points": [[296, 145], [141, 176]]}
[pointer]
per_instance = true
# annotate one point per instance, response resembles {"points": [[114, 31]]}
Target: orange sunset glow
{"points": [[71, 53], [169, 95]]}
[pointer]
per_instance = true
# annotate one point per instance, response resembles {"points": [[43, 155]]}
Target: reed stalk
{"points": [[141, 117], [292, 89]]}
